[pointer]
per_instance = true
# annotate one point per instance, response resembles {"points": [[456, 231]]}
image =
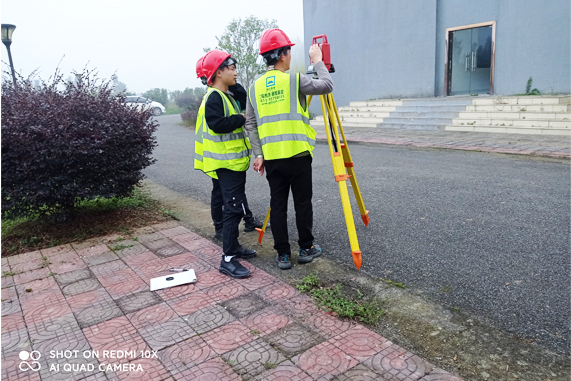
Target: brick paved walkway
{"points": [[538, 145], [94, 296]]}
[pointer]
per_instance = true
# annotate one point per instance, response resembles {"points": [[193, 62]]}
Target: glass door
{"points": [[469, 61]]}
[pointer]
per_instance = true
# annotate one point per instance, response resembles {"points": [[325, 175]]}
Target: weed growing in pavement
{"points": [[270, 365], [8, 273], [170, 213], [254, 332], [396, 284], [333, 300], [121, 247], [45, 262], [29, 290]]}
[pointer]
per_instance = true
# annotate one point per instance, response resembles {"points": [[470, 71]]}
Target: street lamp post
{"points": [[7, 30]]}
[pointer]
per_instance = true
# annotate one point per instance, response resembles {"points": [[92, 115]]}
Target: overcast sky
{"points": [[147, 43]]}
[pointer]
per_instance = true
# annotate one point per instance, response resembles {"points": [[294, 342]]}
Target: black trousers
{"points": [[217, 206], [233, 188], [283, 175]]}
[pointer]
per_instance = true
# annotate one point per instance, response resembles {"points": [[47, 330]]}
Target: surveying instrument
{"points": [[343, 166]]}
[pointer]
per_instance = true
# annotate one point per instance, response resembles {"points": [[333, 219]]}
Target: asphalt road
{"points": [[485, 233]]}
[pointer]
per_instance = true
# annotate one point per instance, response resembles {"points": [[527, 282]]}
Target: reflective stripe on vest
{"points": [[214, 151], [283, 125]]}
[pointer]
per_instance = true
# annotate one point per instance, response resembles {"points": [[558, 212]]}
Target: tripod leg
{"points": [[346, 202], [263, 229], [341, 177], [348, 162]]}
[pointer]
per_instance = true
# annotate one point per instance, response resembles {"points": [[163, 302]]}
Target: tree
{"points": [[241, 39], [158, 95]]}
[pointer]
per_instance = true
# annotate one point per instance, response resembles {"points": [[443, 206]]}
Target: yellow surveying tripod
{"points": [[343, 166]]}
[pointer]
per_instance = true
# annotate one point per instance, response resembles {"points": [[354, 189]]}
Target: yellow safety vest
{"points": [[213, 151], [283, 125]]}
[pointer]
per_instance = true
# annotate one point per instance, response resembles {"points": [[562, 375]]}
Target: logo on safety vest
{"points": [[271, 81]]}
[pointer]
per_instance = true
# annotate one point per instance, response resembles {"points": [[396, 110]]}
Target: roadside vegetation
{"points": [[72, 157], [343, 301]]}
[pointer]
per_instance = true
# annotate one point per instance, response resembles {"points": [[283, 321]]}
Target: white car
{"points": [[141, 102]]}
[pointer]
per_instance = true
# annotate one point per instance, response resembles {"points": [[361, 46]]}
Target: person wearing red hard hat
{"points": [[277, 121], [222, 150], [216, 200]]}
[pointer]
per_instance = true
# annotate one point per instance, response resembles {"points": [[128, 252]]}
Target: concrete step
{"points": [[520, 108], [361, 114], [522, 100], [411, 126], [427, 113], [454, 109], [367, 109], [354, 119], [319, 124], [512, 123], [515, 115], [376, 103], [435, 102], [511, 130], [423, 121]]}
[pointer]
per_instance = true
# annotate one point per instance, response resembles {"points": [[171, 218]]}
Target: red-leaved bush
{"points": [[65, 142]]}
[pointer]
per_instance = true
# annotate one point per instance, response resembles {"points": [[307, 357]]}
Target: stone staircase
{"points": [[546, 115], [523, 114]]}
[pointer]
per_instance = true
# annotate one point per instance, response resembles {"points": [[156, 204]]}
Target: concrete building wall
{"points": [[396, 49], [380, 48], [532, 40]]}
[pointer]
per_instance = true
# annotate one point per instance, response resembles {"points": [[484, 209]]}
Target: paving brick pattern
{"points": [[253, 358], [259, 328]]}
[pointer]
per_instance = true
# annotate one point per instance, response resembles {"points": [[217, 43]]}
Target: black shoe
{"points": [[251, 224], [284, 261], [245, 253], [307, 255], [233, 268]]}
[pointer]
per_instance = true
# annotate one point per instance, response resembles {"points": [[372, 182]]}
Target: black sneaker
{"points": [[251, 224], [233, 268], [245, 253], [307, 255], [284, 261]]}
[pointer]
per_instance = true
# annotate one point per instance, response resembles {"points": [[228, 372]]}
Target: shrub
{"points": [[189, 115], [64, 142]]}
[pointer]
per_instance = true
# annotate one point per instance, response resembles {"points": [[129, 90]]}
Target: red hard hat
{"points": [[211, 62], [199, 71], [273, 39]]}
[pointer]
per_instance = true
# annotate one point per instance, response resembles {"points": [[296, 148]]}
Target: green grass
{"points": [[172, 110], [121, 247], [335, 300], [91, 218]]}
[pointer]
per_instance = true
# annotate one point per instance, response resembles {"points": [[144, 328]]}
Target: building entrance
{"points": [[470, 59]]}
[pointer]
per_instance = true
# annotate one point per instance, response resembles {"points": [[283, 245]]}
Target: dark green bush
{"points": [[65, 142]]}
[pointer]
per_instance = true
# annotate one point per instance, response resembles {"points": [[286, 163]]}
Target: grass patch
{"points": [[121, 247], [336, 300], [91, 219], [172, 110]]}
